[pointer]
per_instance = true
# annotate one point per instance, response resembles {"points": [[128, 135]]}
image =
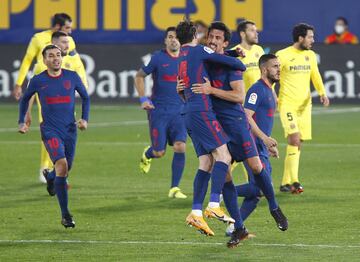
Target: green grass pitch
{"points": [[124, 216]]}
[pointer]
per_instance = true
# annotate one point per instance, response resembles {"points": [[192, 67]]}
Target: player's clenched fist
{"points": [[82, 124]]}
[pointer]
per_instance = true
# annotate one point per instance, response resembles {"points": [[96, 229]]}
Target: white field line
{"points": [[140, 143], [100, 124], [33, 142], [143, 122], [110, 242]]}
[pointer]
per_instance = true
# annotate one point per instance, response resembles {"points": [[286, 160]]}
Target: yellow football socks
{"points": [[291, 166]]}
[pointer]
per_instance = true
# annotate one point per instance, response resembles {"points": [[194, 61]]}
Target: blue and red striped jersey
{"points": [[192, 70], [164, 70], [57, 98]]}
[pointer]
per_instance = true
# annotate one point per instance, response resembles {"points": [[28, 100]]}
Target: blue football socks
{"points": [[62, 194], [177, 167], [201, 182]]}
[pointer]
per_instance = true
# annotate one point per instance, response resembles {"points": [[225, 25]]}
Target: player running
{"points": [[56, 90], [164, 110]]}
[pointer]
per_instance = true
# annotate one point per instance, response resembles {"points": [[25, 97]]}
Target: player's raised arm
{"points": [[210, 56], [30, 54], [24, 104]]}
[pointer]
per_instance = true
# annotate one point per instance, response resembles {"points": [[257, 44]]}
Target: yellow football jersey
{"points": [[35, 47], [298, 67], [251, 61]]}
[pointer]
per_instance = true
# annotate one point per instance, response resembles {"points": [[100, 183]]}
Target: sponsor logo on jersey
{"points": [[67, 84], [252, 98], [208, 50], [300, 68]]}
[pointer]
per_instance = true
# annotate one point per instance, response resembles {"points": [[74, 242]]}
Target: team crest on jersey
{"points": [[67, 65], [252, 98], [67, 84], [208, 50], [292, 126], [257, 55], [307, 58]]}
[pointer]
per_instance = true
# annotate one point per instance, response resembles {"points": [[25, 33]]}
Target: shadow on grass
{"points": [[134, 204]]}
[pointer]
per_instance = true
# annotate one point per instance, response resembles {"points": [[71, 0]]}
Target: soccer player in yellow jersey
{"points": [[60, 22], [252, 52], [298, 66]]}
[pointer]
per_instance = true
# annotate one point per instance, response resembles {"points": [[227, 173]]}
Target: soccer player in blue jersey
{"points": [[205, 131], [260, 105], [164, 110], [56, 90], [227, 93]]}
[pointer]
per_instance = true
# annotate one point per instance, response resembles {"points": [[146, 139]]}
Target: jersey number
{"points": [[53, 143], [289, 116], [183, 73], [216, 125]]}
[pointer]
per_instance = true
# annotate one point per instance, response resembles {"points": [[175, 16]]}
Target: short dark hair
{"points": [[222, 27], [265, 58], [301, 30], [48, 47], [185, 31], [58, 34], [342, 19], [60, 19], [169, 29], [243, 25]]}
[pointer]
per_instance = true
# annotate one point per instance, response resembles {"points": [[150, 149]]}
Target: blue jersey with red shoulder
{"points": [[192, 61], [221, 77], [260, 99], [57, 98], [164, 70]]}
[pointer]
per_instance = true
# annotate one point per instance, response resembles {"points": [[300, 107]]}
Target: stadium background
{"points": [[114, 37], [124, 216]]}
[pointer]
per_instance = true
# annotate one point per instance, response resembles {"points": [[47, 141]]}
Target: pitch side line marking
{"points": [[48, 241], [33, 142], [143, 122]]}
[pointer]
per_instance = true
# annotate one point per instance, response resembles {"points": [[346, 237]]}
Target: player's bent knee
{"points": [[255, 165], [61, 167], [294, 140], [159, 154], [229, 177], [179, 147], [205, 163]]}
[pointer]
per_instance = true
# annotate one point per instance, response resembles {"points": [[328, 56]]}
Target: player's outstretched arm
{"points": [[210, 56], [25, 65], [237, 52]]}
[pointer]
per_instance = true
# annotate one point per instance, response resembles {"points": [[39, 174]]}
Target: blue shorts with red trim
{"points": [[166, 127], [242, 144], [205, 131], [60, 145]]}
